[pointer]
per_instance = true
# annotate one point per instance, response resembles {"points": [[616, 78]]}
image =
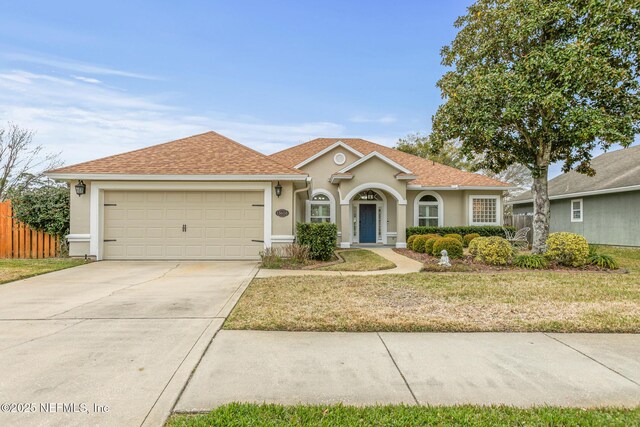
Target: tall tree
{"points": [[450, 153], [541, 81], [21, 161]]}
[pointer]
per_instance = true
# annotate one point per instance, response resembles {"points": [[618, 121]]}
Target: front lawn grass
{"points": [[360, 260], [16, 269], [399, 415], [544, 301]]}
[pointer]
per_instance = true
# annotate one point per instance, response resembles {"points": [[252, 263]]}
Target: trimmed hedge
{"points": [[428, 246], [410, 241], [494, 251], [455, 236], [320, 237], [418, 244], [485, 231], [567, 249], [469, 237], [451, 244]]}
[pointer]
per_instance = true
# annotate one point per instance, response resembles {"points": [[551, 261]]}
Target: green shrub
{"points": [[320, 237], [485, 231], [428, 246], [494, 251], [567, 249], [473, 245], [603, 261], [468, 238], [452, 245], [410, 240], [418, 244], [533, 261], [455, 236]]}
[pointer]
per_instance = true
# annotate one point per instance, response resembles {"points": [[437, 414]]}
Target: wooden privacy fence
{"points": [[17, 240]]}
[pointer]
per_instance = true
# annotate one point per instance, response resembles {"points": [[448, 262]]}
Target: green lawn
{"points": [[401, 416], [548, 301], [360, 260], [16, 269]]}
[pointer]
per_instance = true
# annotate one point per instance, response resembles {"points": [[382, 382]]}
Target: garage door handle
{"points": [[109, 240], [260, 241]]}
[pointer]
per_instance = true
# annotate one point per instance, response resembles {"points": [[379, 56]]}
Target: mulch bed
{"points": [[467, 264]]}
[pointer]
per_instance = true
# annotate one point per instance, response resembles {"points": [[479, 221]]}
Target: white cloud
{"points": [[384, 120], [87, 121], [70, 65], [87, 79]]}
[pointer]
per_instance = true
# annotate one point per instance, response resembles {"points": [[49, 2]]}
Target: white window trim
{"points": [[581, 210], [498, 209], [332, 204], [416, 207]]}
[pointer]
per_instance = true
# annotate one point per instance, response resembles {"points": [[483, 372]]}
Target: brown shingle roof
{"points": [[206, 154], [430, 174]]}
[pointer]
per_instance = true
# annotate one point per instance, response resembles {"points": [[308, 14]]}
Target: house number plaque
{"points": [[282, 213]]}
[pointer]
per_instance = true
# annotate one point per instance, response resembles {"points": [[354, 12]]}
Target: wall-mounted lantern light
{"points": [[278, 189], [81, 188]]}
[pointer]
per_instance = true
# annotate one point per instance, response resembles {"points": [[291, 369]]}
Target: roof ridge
{"points": [[254, 151]]}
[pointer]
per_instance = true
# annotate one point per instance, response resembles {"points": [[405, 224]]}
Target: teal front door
{"points": [[367, 223]]}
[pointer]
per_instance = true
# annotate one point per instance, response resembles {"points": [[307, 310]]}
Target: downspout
{"points": [[295, 193]]}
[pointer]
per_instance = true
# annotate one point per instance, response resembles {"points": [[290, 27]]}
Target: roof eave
{"points": [[462, 187], [159, 177], [581, 194]]}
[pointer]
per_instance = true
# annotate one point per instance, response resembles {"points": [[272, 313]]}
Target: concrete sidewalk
{"points": [[403, 264], [522, 369]]}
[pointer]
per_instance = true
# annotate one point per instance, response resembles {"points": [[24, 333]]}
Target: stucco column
{"points": [[345, 226], [401, 226]]}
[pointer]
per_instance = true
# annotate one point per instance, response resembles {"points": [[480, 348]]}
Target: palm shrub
{"points": [[452, 245], [568, 249], [468, 238], [455, 236], [494, 251], [533, 261]]}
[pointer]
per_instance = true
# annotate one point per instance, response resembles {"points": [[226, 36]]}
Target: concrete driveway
{"points": [[109, 343]]}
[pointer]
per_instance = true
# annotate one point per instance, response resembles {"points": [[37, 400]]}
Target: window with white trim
{"points": [[576, 210], [320, 209], [484, 210], [428, 207]]}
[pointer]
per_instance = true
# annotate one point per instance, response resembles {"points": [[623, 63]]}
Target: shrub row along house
{"points": [[208, 197], [603, 208]]}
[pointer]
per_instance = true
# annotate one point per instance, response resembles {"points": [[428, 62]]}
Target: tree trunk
{"points": [[541, 209]]}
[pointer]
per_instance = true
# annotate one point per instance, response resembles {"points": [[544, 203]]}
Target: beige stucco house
{"points": [[208, 197]]}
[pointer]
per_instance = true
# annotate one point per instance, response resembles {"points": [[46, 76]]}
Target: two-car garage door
{"points": [[183, 224]]}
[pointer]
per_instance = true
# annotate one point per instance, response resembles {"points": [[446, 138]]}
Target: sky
{"points": [[95, 79]]}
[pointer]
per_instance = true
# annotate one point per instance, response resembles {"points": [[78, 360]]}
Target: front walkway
{"points": [[403, 264], [521, 369]]}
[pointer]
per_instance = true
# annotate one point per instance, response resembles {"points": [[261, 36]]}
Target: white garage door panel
{"points": [[148, 224]]}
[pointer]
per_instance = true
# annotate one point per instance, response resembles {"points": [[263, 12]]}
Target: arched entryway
{"points": [[369, 217]]}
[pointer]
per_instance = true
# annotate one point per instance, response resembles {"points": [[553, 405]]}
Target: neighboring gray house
{"points": [[604, 208]]}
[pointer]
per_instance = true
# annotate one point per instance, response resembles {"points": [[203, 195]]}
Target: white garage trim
{"points": [[97, 202]]}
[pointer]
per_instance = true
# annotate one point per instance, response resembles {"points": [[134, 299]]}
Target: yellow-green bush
{"points": [[473, 245], [455, 236], [451, 244], [468, 238], [418, 243], [494, 251], [410, 240], [567, 249], [428, 246]]}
